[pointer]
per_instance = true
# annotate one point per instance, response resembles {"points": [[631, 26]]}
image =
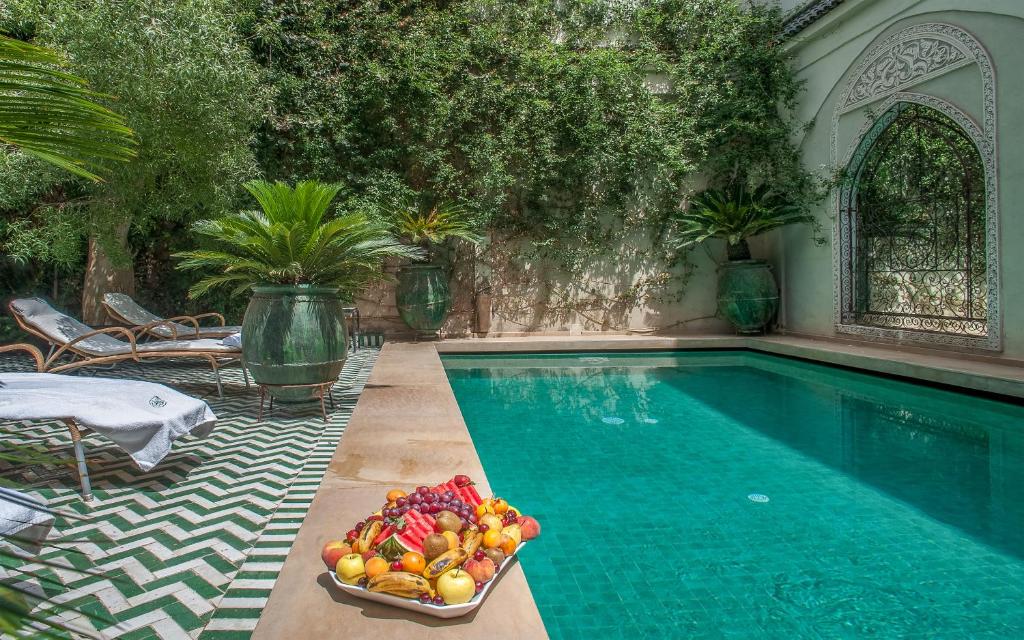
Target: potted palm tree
{"points": [[748, 296], [423, 296], [299, 263]]}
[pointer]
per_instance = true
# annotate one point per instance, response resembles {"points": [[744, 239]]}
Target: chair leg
{"points": [[83, 470], [216, 374], [263, 394], [245, 376]]}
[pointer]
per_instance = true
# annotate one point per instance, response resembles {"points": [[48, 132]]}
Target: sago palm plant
{"points": [[427, 227], [734, 216], [292, 240], [53, 115]]}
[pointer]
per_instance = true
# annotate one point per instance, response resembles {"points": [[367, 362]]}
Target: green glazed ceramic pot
{"points": [[748, 295], [292, 335], [423, 297]]}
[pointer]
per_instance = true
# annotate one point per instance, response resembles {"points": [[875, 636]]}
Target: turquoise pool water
{"points": [[893, 510]]}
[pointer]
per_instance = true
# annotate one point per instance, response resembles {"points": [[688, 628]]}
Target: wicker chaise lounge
{"points": [[124, 309], [99, 346]]}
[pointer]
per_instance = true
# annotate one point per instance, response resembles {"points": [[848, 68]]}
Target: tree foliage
{"points": [[185, 83], [564, 128]]}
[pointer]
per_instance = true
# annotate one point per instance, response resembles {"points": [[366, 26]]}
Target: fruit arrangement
{"points": [[436, 545]]}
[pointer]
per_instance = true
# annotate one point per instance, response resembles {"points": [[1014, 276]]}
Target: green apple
{"points": [[350, 568], [456, 587]]}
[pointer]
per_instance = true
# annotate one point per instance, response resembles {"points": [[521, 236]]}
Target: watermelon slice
{"points": [[398, 544], [407, 534], [383, 535], [467, 493]]}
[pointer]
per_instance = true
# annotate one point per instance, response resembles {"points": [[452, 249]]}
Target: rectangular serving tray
{"points": [[438, 611]]}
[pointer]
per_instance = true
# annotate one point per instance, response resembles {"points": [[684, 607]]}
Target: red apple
{"points": [[333, 551], [529, 526], [481, 570], [369, 554]]}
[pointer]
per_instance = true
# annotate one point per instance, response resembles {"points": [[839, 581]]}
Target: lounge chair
{"points": [[142, 418], [123, 309], [99, 346]]}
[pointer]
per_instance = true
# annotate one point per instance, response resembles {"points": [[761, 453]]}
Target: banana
{"points": [[400, 583], [471, 541], [446, 561], [368, 534]]}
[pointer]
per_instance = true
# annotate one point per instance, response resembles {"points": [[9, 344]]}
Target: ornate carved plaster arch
{"points": [[907, 58]]}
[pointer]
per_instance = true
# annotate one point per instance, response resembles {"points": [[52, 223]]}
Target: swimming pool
{"points": [[741, 495]]}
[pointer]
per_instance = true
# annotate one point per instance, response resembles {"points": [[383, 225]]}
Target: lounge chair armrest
{"points": [[121, 330], [143, 329], [189, 319], [36, 354], [212, 314]]}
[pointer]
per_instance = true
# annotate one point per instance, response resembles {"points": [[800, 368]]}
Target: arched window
{"points": [[915, 227]]}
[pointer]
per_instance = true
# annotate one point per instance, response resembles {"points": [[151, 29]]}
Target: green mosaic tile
{"points": [[894, 510]]}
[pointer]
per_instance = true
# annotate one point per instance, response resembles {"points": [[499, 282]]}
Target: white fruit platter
{"points": [[436, 550], [438, 611]]}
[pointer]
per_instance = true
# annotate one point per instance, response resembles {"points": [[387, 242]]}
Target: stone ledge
{"points": [[406, 430]]}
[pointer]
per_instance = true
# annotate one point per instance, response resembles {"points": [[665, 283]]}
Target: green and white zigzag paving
{"points": [[199, 541]]}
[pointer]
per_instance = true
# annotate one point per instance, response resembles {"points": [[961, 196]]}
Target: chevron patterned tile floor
{"points": [[192, 548]]}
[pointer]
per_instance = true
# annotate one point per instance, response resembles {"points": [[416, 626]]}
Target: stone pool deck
{"points": [[407, 430]]}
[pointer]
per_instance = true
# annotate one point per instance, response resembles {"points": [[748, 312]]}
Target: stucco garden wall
{"points": [[827, 53]]}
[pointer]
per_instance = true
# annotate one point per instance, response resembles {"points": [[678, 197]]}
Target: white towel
{"points": [[234, 340], [24, 521], [142, 418]]}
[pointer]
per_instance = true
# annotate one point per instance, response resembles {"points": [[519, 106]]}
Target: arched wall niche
{"points": [[889, 73]]}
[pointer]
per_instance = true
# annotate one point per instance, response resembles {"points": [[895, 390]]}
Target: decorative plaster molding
{"points": [[907, 58], [904, 59]]}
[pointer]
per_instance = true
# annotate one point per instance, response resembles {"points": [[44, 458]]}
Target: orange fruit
{"points": [[376, 566], [395, 494], [414, 562], [506, 544], [452, 538], [500, 506], [492, 538]]}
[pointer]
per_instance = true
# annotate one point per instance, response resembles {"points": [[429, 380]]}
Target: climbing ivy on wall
{"points": [[545, 118], [540, 115]]}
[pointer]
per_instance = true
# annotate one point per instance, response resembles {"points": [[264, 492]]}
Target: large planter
{"points": [[423, 297], [294, 335], [748, 295]]}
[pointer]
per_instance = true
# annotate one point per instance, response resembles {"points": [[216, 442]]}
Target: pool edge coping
{"points": [[985, 375]]}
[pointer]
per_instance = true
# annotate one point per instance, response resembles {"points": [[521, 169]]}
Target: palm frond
{"points": [[53, 115], [735, 215], [436, 224]]}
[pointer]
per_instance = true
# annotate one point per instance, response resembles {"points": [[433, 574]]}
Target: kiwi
{"points": [[434, 545], [448, 521], [496, 555]]}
